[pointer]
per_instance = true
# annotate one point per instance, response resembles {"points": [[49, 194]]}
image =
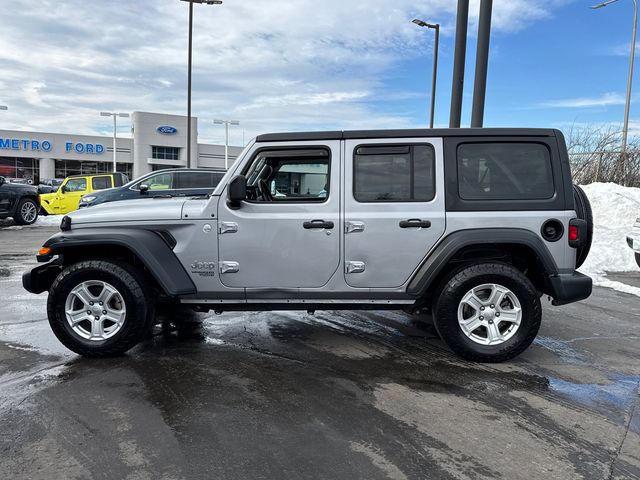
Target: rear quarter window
{"points": [[504, 171]]}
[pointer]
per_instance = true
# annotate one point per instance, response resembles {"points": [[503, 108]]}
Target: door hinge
{"points": [[228, 227], [353, 227], [355, 267], [229, 267]]}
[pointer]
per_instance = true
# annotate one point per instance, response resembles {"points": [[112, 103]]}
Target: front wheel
{"points": [[26, 212], [488, 312], [98, 308]]}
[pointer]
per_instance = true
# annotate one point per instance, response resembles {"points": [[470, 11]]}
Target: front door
{"points": [[394, 208], [286, 235], [69, 194]]}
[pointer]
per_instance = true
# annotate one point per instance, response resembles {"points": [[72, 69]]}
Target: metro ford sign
{"points": [[167, 130], [31, 145]]}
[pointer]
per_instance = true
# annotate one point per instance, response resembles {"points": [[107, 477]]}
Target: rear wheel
{"points": [[99, 308], [488, 312], [583, 211], [26, 212]]}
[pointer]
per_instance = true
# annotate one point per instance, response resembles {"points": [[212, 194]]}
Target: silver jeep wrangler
{"points": [[472, 225]]}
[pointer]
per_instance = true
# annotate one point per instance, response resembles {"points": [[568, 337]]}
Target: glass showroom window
{"points": [[165, 153]]}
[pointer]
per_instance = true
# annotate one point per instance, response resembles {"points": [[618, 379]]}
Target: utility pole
{"points": [[482, 63], [115, 116], [190, 56], [436, 27], [457, 86], [226, 124], [627, 106]]}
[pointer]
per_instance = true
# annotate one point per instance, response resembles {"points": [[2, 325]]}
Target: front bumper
{"points": [[40, 278], [570, 287]]}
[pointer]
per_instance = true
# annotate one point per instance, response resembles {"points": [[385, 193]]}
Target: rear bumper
{"points": [[570, 287], [40, 279]]}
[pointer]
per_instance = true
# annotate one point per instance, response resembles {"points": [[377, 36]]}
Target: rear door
{"points": [[394, 208]]}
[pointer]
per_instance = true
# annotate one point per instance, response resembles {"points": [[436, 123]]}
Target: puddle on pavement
{"points": [[614, 397]]}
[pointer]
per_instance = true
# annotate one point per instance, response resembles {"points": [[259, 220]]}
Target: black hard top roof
{"points": [[78, 175], [407, 133]]}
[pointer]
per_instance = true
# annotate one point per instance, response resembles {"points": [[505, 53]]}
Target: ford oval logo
{"points": [[167, 130]]}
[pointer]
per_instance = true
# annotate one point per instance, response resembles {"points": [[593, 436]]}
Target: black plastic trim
{"points": [[40, 278], [450, 245], [149, 247], [571, 287], [405, 133]]}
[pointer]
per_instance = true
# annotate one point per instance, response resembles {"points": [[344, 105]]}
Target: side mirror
{"points": [[2, 181], [144, 188], [236, 191], [63, 189]]}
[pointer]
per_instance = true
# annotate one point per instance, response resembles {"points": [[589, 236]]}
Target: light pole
{"points": [[436, 27], [625, 128], [226, 124], [115, 116], [191, 2]]}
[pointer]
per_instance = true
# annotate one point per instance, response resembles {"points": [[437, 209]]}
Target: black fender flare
{"points": [[437, 260], [149, 246]]}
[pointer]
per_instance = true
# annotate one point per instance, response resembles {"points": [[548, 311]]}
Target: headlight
{"points": [[87, 199]]}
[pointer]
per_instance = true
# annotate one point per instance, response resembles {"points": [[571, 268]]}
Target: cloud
{"points": [[274, 65], [605, 100]]}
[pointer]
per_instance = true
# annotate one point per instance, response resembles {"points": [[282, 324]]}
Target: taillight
{"points": [[577, 232], [574, 233]]}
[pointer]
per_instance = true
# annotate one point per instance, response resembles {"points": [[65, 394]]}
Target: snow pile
{"points": [[615, 209], [51, 220]]}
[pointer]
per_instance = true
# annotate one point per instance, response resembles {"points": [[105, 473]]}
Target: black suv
{"points": [[19, 202], [161, 183]]}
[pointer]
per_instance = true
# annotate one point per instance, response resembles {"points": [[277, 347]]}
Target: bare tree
{"points": [[595, 155]]}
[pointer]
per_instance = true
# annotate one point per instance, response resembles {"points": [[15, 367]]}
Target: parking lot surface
{"points": [[341, 395]]}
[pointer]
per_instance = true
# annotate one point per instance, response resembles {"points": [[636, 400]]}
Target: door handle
{"points": [[415, 223], [317, 224]]}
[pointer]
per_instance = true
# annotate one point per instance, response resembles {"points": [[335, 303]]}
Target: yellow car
{"points": [[68, 195]]}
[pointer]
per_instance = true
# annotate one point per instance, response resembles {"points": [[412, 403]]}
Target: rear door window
{"points": [[394, 173], [100, 183], [504, 171], [188, 180]]}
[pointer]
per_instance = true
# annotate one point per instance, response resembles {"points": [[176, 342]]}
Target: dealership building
{"points": [[157, 141]]}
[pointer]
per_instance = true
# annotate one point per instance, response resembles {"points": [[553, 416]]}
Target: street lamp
{"points": [[191, 2], [625, 128], [226, 124], [115, 115], [436, 27]]}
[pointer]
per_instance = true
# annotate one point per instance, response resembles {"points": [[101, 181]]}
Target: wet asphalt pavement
{"points": [[336, 395]]}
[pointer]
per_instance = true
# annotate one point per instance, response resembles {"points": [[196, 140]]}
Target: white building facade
{"points": [[157, 141]]}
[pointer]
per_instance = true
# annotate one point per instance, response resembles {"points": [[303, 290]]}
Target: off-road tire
{"points": [[583, 211], [458, 283], [19, 218], [129, 282]]}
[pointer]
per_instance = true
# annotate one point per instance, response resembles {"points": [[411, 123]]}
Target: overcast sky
{"points": [[302, 64]]}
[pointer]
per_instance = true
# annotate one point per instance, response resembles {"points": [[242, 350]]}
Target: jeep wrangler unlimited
{"points": [[472, 225]]}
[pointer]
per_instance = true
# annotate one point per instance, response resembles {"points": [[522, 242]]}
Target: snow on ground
{"points": [[42, 220], [615, 209], [49, 220]]}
